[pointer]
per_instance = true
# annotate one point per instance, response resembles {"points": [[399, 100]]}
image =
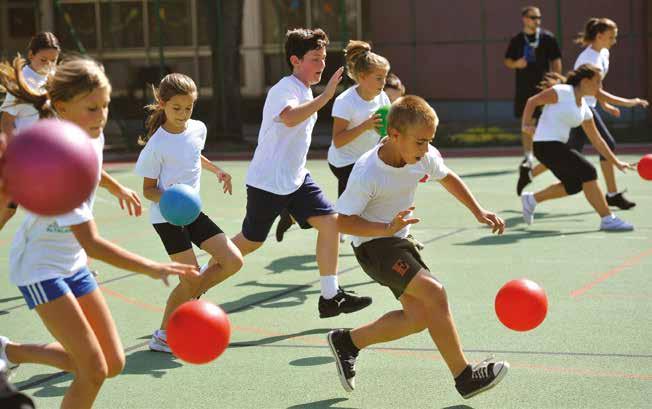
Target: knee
{"points": [[94, 372], [436, 298], [115, 365], [234, 263]]}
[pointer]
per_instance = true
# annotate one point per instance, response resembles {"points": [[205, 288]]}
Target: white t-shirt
{"points": [[172, 159], [377, 192], [352, 108], [599, 59], [279, 163], [25, 114], [557, 119], [44, 247]]}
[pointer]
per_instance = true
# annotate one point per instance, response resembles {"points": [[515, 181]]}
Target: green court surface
{"points": [[592, 351]]}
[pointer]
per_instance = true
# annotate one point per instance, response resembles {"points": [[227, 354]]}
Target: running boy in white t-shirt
{"points": [[277, 178], [375, 209]]}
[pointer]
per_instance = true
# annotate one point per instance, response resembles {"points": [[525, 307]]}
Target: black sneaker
{"points": [[480, 377], [344, 359], [524, 177], [344, 302], [283, 225], [619, 201]]}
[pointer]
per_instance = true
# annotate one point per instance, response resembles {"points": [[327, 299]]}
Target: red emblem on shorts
{"points": [[401, 267], [425, 178]]}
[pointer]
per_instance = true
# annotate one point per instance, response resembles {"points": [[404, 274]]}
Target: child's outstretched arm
{"points": [[222, 176], [125, 195], [358, 226], [102, 249], [294, 116], [458, 188]]}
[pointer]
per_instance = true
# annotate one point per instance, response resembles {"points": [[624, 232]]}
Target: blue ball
{"points": [[180, 205]]}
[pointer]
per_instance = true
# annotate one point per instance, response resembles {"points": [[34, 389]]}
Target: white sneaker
{"points": [[613, 223], [342, 237], [159, 342], [10, 366], [527, 200]]}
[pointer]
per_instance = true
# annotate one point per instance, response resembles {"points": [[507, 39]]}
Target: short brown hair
{"points": [[301, 40], [525, 10], [411, 110]]}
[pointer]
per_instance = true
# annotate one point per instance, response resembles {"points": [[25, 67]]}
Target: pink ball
{"points": [[51, 167]]}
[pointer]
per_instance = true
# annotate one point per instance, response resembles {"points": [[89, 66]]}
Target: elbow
{"points": [[342, 224], [337, 142]]}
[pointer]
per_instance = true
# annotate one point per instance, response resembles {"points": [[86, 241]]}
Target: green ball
{"points": [[383, 112]]}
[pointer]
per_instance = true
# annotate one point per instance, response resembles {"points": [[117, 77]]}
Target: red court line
{"points": [[132, 301], [630, 262]]}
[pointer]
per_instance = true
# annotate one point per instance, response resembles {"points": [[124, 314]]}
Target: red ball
{"points": [[644, 167], [198, 331], [521, 305], [51, 167]]}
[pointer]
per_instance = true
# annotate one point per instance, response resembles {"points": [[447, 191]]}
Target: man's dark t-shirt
{"points": [[539, 57]]}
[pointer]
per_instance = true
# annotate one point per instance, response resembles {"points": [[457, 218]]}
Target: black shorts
{"points": [[578, 137], [568, 165], [180, 238], [12, 205], [263, 208], [342, 174], [392, 262]]}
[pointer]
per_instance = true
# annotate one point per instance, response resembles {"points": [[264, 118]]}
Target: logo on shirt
{"points": [[55, 228], [401, 267]]}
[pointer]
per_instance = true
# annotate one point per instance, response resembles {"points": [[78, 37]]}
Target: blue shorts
{"points": [[81, 283], [263, 208]]}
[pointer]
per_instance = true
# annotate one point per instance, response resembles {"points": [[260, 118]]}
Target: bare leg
{"points": [[226, 260], [393, 325], [44, 354], [539, 169], [244, 245], [65, 320], [185, 290], [551, 192], [596, 198], [440, 322], [328, 243], [609, 176]]}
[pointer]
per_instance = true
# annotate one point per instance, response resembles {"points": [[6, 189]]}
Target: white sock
{"points": [[608, 217], [612, 194], [203, 268], [329, 286]]}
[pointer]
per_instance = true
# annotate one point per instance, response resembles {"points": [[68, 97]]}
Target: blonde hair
{"points": [[170, 86], [73, 77], [394, 82], [409, 111], [361, 60], [592, 28], [574, 77]]}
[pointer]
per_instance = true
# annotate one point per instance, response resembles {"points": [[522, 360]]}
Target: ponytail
{"points": [[361, 60], [592, 28], [584, 71], [155, 119], [13, 82]]}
